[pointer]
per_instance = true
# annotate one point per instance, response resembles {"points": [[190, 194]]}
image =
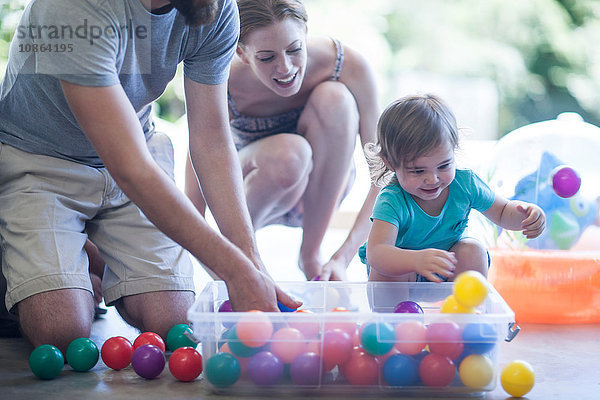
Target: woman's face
{"points": [[277, 55]]}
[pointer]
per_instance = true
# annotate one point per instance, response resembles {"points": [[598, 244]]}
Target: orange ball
{"points": [[254, 329]]}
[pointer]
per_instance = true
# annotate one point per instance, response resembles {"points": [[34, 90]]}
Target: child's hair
{"points": [[256, 14], [409, 128]]}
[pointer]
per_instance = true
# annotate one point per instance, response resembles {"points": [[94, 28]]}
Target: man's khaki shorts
{"points": [[50, 206]]}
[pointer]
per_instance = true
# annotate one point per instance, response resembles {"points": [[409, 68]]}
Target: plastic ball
{"points": [[116, 352], [400, 370], [476, 371], [177, 338], [410, 337], [148, 361], [361, 369], [222, 370], [444, 338], [451, 306], [517, 378], [82, 354], [185, 364], [408, 307], [470, 288], [238, 348], [479, 338], [265, 368], [309, 326], [46, 361], [254, 329], [149, 338], [378, 338], [565, 181], [243, 361], [287, 344], [284, 308], [224, 308], [307, 369], [436, 370], [337, 347]]}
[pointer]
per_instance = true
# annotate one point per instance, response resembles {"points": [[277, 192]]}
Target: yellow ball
{"points": [[470, 288], [517, 378], [451, 306], [476, 371]]}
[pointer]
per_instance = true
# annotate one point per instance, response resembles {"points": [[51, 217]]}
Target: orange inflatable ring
{"points": [[548, 286]]}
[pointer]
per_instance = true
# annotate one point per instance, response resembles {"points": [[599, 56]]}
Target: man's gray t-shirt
{"points": [[101, 43]]}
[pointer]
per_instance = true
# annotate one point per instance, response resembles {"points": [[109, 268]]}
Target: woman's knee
{"points": [[287, 162], [333, 104]]}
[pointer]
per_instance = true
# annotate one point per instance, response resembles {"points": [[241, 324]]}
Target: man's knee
{"points": [[57, 317]]}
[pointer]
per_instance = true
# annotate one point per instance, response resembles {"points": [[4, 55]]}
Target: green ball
{"points": [[222, 369], [82, 354], [46, 361], [176, 337], [378, 338]]}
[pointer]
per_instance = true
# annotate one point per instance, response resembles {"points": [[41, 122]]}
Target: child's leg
{"points": [[470, 255]]}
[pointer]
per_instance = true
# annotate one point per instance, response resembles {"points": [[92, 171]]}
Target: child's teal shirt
{"points": [[418, 230]]}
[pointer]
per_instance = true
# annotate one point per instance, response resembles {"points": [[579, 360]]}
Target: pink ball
{"points": [[565, 181], [410, 337], [287, 344], [436, 370], [337, 347], [254, 329], [309, 326], [444, 338]]}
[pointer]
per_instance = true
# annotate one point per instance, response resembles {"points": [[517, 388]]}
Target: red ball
{"points": [[185, 364], [116, 352], [361, 369], [436, 370], [149, 338]]}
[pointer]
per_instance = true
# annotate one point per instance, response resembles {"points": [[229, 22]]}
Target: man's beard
{"points": [[197, 12]]}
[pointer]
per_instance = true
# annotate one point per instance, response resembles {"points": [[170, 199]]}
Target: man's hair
{"points": [[197, 12]]}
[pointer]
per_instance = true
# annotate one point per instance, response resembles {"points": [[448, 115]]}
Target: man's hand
{"points": [[257, 291]]}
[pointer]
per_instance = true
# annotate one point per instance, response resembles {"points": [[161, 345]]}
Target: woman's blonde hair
{"points": [[409, 128], [256, 14]]}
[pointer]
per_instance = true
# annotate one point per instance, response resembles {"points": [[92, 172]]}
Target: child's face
{"points": [[428, 176]]}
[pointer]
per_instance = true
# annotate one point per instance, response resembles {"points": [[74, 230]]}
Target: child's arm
{"points": [[389, 260], [517, 215]]}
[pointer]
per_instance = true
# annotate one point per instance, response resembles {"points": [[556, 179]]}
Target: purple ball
{"points": [[225, 307], [265, 368], [148, 361], [307, 369], [565, 181], [408, 307]]}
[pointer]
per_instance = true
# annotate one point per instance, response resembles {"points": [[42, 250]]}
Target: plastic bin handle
{"points": [[513, 330]]}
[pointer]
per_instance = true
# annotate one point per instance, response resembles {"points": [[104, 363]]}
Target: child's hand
{"points": [[435, 261], [534, 222]]}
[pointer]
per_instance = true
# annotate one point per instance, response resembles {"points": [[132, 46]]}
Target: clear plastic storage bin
{"points": [[350, 341]]}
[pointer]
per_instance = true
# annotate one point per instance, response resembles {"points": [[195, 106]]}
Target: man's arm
{"points": [[109, 121], [217, 166]]}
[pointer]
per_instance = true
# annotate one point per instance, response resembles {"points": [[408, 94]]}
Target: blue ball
{"points": [[283, 308], [401, 370], [378, 338], [479, 338]]}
